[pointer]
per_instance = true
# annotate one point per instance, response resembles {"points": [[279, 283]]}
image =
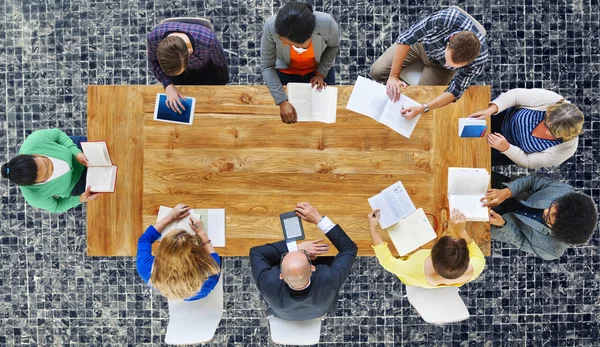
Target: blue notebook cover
{"points": [[166, 114], [473, 131]]}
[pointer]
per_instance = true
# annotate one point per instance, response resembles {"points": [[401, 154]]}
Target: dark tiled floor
{"points": [[52, 294]]}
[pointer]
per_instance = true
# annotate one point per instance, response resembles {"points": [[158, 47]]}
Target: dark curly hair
{"points": [[465, 47], [576, 218], [450, 257], [295, 21]]}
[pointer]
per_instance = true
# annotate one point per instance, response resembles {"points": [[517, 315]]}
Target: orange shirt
{"points": [[301, 64]]}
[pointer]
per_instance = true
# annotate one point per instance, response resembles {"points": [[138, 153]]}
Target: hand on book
{"points": [[174, 98], [394, 87], [287, 112], [318, 82], [81, 158], [88, 195], [373, 217], [495, 197], [198, 227], [496, 219], [308, 213], [412, 111], [497, 141], [178, 212], [458, 219], [313, 248]]}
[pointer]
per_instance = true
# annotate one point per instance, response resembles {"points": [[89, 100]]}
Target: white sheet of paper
{"points": [[101, 179], [324, 105], [470, 206], [96, 153], [216, 226], [368, 98], [299, 95], [392, 117], [411, 232]]}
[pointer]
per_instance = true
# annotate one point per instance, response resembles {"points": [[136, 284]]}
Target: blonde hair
{"points": [[564, 120], [181, 265]]}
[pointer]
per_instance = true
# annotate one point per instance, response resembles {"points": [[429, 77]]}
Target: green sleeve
{"points": [[51, 204], [62, 139]]}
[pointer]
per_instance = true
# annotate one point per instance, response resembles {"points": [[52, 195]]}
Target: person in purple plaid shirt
{"points": [[185, 54], [452, 47]]}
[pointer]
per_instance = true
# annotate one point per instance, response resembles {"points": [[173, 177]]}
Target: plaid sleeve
{"points": [[462, 80], [154, 38], [416, 32], [218, 59]]}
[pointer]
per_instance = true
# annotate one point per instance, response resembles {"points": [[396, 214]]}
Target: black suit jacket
{"points": [[326, 281]]}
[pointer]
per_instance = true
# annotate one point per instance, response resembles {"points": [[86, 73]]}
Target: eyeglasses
{"points": [[286, 253], [547, 216], [547, 127]]}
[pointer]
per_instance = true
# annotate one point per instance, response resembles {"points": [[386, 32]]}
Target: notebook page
{"points": [[299, 95], [368, 98], [101, 179], [470, 206], [216, 226]]}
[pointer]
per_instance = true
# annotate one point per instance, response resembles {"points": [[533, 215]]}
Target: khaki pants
{"points": [[433, 74]]}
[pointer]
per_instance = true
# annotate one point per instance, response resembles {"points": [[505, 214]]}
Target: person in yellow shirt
{"points": [[451, 262]]}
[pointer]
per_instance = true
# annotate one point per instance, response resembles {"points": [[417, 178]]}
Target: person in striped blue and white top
{"points": [[532, 128]]}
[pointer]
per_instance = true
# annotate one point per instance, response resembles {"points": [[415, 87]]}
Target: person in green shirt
{"points": [[50, 171]]}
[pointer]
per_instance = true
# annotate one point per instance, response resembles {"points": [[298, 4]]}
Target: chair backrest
{"points": [[412, 73], [192, 322], [305, 332], [191, 20], [477, 24], [439, 305]]}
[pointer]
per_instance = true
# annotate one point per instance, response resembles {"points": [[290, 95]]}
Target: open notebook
{"points": [[370, 99], [466, 187], [408, 227], [312, 105], [101, 173], [213, 220]]}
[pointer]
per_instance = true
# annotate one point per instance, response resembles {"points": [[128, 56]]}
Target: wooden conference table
{"points": [[238, 155]]}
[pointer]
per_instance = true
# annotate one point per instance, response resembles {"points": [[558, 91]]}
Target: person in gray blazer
{"points": [[298, 45], [541, 215]]}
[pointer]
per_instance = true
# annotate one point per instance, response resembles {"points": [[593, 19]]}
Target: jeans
{"points": [[287, 78], [80, 186]]}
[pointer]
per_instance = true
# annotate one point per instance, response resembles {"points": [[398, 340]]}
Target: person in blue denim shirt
{"points": [[186, 267]]}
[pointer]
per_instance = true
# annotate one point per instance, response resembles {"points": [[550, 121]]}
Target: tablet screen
{"points": [[166, 114], [292, 227]]}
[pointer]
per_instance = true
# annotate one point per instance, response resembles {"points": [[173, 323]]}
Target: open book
{"points": [[469, 127], [312, 105], [370, 98], [411, 232], [213, 220], [394, 204], [101, 173], [466, 187]]}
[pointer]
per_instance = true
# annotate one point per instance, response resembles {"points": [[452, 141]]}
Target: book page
{"points": [[368, 98], [182, 223], [387, 215], [216, 226], [392, 117], [411, 232], [324, 105], [101, 179], [299, 95], [471, 206], [394, 204], [96, 153], [467, 181]]}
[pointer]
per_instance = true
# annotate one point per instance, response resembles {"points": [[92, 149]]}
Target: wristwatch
{"points": [[426, 108]]}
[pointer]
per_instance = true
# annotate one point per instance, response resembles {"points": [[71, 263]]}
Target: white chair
{"points": [[412, 73], [191, 20], [192, 322], [439, 305], [305, 332]]}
